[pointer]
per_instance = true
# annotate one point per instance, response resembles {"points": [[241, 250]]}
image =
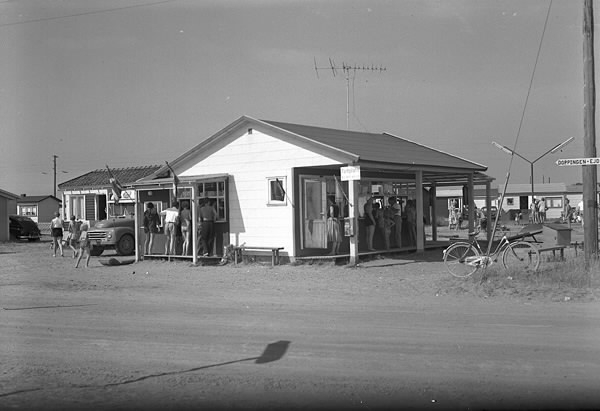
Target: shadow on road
{"points": [[272, 352]]}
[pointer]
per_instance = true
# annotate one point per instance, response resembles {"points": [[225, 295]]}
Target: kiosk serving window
{"points": [[215, 191]]}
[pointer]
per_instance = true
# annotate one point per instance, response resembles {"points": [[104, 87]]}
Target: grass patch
{"points": [[554, 280]]}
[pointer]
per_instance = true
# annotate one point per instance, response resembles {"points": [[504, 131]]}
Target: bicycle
{"points": [[463, 258]]}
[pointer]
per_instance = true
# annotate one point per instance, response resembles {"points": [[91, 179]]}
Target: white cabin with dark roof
{"points": [[270, 182]]}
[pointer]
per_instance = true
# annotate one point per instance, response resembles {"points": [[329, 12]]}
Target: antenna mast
{"points": [[346, 69]]}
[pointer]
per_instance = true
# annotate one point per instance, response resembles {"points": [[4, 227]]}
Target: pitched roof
{"points": [[347, 146], [381, 148], [99, 178], [539, 188], [36, 199]]}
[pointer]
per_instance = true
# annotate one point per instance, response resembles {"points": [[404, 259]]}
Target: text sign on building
{"points": [[590, 161], [350, 173]]}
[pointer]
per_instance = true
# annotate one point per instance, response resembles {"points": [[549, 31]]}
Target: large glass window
{"points": [[215, 191]]}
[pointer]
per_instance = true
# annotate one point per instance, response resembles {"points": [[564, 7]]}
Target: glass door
{"points": [[314, 213]]}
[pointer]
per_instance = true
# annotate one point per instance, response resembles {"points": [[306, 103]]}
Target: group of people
{"points": [[537, 211], [177, 223], [76, 238], [386, 221]]}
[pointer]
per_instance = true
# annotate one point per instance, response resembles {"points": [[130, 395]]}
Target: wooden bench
{"points": [[554, 249], [243, 249]]}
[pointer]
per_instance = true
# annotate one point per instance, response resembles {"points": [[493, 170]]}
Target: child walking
{"points": [[84, 245]]}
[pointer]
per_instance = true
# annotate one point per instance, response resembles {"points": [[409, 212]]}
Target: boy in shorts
{"points": [[84, 245]]}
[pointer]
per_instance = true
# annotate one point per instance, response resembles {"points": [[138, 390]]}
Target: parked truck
{"points": [[114, 233]]}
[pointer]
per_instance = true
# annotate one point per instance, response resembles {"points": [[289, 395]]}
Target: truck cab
{"points": [[116, 233]]}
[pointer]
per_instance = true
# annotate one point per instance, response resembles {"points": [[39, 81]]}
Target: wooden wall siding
{"points": [[250, 160]]}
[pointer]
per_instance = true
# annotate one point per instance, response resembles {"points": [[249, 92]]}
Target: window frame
{"points": [[271, 181], [219, 194]]}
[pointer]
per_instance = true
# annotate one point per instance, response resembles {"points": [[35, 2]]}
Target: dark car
{"points": [[22, 228]]}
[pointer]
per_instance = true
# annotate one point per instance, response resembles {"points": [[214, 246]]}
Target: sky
{"points": [[140, 82]]}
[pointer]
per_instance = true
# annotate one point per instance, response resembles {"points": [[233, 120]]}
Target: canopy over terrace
{"points": [[386, 156], [250, 151]]}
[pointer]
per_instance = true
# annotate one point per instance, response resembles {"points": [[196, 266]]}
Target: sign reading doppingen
{"points": [[590, 161]]}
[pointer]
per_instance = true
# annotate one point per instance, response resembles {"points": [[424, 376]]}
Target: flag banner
{"points": [[175, 179], [117, 187]]}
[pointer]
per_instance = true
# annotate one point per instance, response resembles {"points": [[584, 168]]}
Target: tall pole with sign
{"points": [[351, 174], [589, 173]]}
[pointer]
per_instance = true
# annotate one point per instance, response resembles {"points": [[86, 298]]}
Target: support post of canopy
{"points": [[419, 206]]}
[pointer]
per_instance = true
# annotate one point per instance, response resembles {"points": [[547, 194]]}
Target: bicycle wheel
{"points": [[521, 256], [457, 258]]}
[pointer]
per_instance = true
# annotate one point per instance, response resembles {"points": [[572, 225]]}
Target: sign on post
{"points": [[350, 173], [590, 161]]}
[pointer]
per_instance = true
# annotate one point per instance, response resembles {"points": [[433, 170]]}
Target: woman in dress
{"points": [[334, 231]]}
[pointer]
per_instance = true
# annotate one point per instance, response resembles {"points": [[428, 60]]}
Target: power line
{"points": [[86, 13]]}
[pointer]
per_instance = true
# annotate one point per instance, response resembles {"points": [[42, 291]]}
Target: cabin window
{"points": [[554, 202], [510, 201], [215, 192], [29, 210], [276, 187]]}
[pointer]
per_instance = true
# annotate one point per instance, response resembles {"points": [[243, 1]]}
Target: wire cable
{"points": [[512, 156], [85, 13]]}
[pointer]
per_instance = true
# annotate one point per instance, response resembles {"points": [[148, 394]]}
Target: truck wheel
{"points": [[126, 245], [96, 251]]}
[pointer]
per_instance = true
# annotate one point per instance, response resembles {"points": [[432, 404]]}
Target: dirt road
{"points": [[158, 335]]}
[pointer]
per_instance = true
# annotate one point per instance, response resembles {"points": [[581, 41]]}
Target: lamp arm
{"points": [[547, 152], [530, 162]]}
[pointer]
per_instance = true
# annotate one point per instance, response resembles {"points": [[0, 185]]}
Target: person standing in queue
{"points": [[206, 226], [334, 231], [369, 223], [171, 217], [185, 217], [151, 221], [397, 214]]}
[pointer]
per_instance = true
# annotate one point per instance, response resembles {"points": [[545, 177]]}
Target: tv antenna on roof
{"points": [[347, 69]]}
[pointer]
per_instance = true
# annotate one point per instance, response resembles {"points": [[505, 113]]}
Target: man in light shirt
{"points": [[170, 217]]}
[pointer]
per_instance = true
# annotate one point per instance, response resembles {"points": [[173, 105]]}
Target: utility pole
{"points": [[589, 173], [346, 69], [54, 157]]}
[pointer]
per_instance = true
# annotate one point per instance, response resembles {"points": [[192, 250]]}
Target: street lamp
{"points": [[531, 163]]}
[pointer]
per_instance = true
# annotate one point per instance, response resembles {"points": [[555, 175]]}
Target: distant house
{"points": [[518, 197], [90, 197], [270, 183], [40, 209], [447, 195], [7, 207]]}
